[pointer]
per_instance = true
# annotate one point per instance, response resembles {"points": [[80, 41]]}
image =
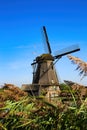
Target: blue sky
{"points": [[21, 38]]}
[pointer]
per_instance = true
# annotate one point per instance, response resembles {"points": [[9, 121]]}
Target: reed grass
{"points": [[37, 114]]}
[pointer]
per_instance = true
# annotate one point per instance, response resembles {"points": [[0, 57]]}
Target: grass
{"points": [[30, 113]]}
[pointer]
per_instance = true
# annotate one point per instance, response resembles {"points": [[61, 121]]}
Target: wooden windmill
{"points": [[44, 73]]}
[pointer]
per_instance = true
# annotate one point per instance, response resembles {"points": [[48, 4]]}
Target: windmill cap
{"points": [[44, 57]]}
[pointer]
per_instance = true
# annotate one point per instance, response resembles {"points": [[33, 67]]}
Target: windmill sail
{"points": [[67, 50], [47, 41]]}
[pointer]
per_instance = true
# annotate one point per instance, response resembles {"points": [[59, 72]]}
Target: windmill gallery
{"points": [[44, 73]]}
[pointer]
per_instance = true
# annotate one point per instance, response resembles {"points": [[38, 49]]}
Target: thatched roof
{"points": [[44, 57]]}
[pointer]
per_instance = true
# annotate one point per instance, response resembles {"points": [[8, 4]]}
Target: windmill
{"points": [[44, 73]]}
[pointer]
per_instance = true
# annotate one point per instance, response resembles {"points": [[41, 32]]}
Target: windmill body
{"points": [[45, 73]]}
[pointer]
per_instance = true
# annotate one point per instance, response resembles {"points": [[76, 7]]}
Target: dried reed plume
{"points": [[81, 65]]}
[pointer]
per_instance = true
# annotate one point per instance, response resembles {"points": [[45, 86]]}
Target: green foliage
{"points": [[64, 86], [30, 113]]}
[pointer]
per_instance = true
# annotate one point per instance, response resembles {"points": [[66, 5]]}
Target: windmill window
{"points": [[52, 81], [52, 65], [53, 95], [54, 87]]}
